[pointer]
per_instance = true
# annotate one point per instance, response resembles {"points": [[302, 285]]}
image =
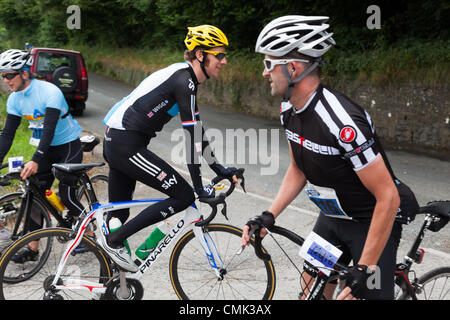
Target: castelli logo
{"points": [[347, 134]]}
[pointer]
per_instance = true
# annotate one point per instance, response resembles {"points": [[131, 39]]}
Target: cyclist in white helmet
{"points": [[54, 132], [335, 156]]}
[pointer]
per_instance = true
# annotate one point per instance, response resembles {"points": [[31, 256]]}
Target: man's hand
{"points": [[355, 283], [266, 220], [205, 191], [29, 169]]}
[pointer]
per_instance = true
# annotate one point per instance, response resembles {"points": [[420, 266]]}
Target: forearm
{"points": [[380, 229], [293, 182], [7, 134]]}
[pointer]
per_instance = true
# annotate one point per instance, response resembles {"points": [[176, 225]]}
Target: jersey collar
{"points": [[27, 90], [194, 77]]}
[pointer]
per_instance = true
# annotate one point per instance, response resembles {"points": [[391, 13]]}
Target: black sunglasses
{"points": [[219, 55], [10, 76]]}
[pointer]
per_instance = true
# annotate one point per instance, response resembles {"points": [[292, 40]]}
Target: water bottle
{"points": [[115, 224], [54, 200], [151, 242]]}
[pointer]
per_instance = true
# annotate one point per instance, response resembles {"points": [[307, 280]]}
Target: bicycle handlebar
{"points": [[220, 199]]}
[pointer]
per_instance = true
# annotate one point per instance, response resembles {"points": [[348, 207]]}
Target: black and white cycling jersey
{"points": [[331, 138], [160, 97]]}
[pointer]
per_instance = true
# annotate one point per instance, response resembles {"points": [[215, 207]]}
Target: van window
{"points": [[48, 62]]}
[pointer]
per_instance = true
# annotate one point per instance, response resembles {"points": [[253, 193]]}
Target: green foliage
{"points": [[404, 44], [162, 23], [20, 146]]}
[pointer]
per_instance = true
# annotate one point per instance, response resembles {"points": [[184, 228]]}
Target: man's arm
{"points": [[378, 181], [293, 182], [7, 134]]}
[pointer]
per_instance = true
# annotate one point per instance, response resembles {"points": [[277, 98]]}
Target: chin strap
{"points": [[291, 82], [202, 64]]}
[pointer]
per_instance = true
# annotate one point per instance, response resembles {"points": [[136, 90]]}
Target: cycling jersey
{"points": [[160, 97], [132, 122], [332, 138], [31, 104]]}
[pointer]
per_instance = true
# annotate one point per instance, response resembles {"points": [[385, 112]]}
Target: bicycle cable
{"points": [[285, 253]]}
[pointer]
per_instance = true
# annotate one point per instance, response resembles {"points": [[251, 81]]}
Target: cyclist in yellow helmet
{"points": [[202, 42], [137, 118]]}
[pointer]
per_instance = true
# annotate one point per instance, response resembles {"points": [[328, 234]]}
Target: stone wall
{"points": [[407, 117]]}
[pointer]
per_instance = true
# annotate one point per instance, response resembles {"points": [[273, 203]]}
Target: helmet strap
{"points": [[202, 64], [291, 82]]}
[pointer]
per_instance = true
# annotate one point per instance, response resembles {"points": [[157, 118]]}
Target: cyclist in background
{"points": [[135, 120], [54, 132], [336, 155]]}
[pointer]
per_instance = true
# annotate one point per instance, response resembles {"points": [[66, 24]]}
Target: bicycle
{"points": [[206, 262], [434, 284], [16, 207]]}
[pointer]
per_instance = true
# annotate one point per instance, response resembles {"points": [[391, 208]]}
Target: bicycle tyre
{"points": [[11, 202], [439, 277], [242, 271], [89, 264], [100, 185]]}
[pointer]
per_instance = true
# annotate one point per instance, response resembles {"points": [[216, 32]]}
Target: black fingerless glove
{"points": [[222, 171], [266, 219], [357, 279]]}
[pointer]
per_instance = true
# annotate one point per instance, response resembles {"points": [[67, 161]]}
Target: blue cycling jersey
{"points": [[31, 104]]}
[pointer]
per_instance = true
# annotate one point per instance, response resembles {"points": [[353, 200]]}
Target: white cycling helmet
{"points": [[14, 60], [305, 34]]}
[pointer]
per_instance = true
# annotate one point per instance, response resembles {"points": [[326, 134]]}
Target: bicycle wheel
{"points": [[244, 277], [435, 285], [9, 213], [89, 264], [100, 185]]}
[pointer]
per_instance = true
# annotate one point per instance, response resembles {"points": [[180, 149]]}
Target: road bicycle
{"points": [[16, 207], [206, 261], [433, 285]]}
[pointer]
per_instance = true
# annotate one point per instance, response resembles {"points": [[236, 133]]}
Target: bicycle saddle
{"points": [[76, 167], [440, 208]]}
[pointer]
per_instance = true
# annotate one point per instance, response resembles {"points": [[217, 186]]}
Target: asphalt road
{"points": [[260, 147]]}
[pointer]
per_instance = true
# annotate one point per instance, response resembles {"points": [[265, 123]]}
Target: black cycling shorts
{"points": [[130, 161], [350, 237], [66, 153]]}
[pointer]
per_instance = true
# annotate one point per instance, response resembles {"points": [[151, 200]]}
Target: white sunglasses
{"points": [[269, 64]]}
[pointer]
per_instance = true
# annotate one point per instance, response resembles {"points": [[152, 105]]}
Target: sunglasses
{"points": [[10, 76], [219, 55], [269, 64]]}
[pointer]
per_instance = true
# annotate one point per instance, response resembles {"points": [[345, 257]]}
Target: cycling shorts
{"points": [[350, 237]]}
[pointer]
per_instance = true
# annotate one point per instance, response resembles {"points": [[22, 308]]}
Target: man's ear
{"points": [[26, 75], [199, 55]]}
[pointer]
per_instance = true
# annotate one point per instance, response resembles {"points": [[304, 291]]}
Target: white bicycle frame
{"points": [[191, 216]]}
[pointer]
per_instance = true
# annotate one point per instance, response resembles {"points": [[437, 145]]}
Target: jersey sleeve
{"points": [[187, 103], [11, 106], [352, 128], [55, 99], [357, 138]]}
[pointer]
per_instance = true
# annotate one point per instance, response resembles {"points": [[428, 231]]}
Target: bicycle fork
{"points": [[211, 251]]}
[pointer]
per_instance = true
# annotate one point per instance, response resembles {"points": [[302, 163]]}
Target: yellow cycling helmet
{"points": [[206, 36]]}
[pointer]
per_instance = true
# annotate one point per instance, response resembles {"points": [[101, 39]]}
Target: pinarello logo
{"points": [[347, 134]]}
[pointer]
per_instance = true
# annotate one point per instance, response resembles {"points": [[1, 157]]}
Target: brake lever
{"points": [[224, 211], [243, 184]]}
